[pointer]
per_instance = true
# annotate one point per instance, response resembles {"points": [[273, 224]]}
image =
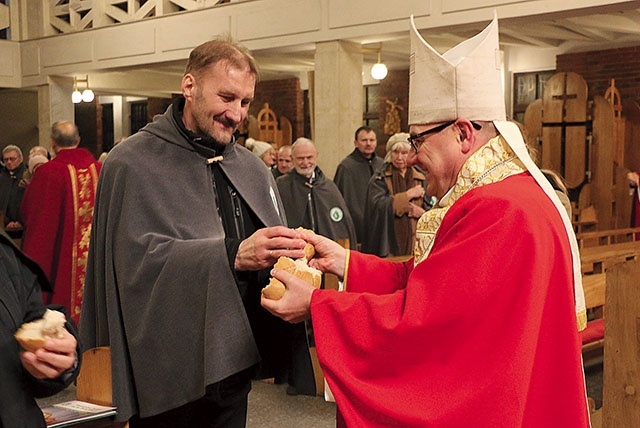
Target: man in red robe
{"points": [[480, 328], [57, 210]]}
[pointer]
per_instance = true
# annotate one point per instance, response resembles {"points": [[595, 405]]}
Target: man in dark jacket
{"points": [[28, 375], [10, 190]]}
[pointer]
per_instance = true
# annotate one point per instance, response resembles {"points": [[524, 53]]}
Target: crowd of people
{"points": [[170, 260]]}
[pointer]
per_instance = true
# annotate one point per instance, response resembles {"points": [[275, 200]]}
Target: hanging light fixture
{"points": [[76, 96], [87, 95], [379, 70]]}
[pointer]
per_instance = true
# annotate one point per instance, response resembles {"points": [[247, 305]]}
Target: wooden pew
{"points": [[594, 286], [599, 258], [608, 237], [621, 377]]}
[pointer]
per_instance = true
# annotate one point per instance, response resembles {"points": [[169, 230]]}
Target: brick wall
{"points": [[599, 67], [285, 98]]}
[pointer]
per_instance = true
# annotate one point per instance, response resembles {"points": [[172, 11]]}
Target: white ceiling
{"points": [[594, 29]]}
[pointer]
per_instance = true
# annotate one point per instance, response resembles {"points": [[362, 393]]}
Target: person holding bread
{"points": [[468, 333], [180, 251], [35, 362]]}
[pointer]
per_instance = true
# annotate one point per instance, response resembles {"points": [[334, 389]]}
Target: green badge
{"points": [[336, 214]]}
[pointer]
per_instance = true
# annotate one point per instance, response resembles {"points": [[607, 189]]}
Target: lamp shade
{"points": [[87, 95], [379, 71], [76, 97]]}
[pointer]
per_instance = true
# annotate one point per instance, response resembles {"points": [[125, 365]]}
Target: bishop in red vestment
{"points": [[57, 210], [481, 328]]}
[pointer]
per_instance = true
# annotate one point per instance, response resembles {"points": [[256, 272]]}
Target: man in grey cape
{"points": [[353, 174], [181, 246]]}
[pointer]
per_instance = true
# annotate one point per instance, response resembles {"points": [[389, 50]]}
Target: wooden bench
{"points": [[599, 258], [594, 286], [621, 368], [608, 237]]}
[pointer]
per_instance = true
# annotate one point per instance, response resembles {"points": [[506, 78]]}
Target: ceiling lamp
{"points": [[87, 95], [379, 70]]}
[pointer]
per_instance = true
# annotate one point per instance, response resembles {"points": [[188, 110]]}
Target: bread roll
{"points": [[275, 290], [309, 249], [33, 335]]}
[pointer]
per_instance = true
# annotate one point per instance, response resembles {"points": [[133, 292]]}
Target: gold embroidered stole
{"points": [[492, 163], [83, 190]]}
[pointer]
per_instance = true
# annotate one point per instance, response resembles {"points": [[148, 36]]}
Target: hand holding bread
{"points": [[299, 268], [33, 335], [49, 349]]}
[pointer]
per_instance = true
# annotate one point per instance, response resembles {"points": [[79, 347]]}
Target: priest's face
{"points": [[438, 155], [217, 100]]}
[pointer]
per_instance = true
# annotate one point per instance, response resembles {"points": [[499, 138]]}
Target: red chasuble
{"points": [[57, 210], [481, 333]]}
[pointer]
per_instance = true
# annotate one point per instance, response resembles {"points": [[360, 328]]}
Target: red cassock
{"points": [[482, 333], [57, 210]]}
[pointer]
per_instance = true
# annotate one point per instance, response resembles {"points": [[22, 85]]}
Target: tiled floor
{"points": [[271, 407]]}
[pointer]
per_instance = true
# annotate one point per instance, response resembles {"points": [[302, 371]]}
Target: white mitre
{"points": [[466, 82]]}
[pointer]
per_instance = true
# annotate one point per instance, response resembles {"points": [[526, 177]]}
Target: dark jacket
{"points": [[352, 178], [11, 193], [20, 302], [316, 205]]}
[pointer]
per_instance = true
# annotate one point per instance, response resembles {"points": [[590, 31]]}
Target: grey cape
{"points": [[332, 218], [352, 178], [159, 288]]}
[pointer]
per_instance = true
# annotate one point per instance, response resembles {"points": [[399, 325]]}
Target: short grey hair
{"points": [[12, 148]]}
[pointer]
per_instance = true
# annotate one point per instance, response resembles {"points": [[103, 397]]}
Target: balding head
{"points": [[64, 135]]}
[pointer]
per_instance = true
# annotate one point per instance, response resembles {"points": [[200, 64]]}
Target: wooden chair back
{"points": [[94, 379]]}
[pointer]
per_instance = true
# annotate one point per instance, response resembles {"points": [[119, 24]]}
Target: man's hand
{"points": [[330, 256], [294, 306], [56, 357], [265, 246]]}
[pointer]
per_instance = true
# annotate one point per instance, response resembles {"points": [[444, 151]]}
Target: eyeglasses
{"points": [[413, 138], [13, 159]]}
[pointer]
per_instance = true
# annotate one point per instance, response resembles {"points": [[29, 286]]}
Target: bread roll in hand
{"points": [[33, 335], [299, 268]]}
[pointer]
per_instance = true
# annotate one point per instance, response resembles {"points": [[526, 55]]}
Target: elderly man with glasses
{"points": [[10, 190], [481, 327]]}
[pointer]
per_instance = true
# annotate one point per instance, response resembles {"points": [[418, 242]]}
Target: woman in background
{"points": [[395, 201]]}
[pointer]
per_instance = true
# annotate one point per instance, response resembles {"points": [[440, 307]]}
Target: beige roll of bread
{"points": [[299, 268], [33, 335], [309, 249]]}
